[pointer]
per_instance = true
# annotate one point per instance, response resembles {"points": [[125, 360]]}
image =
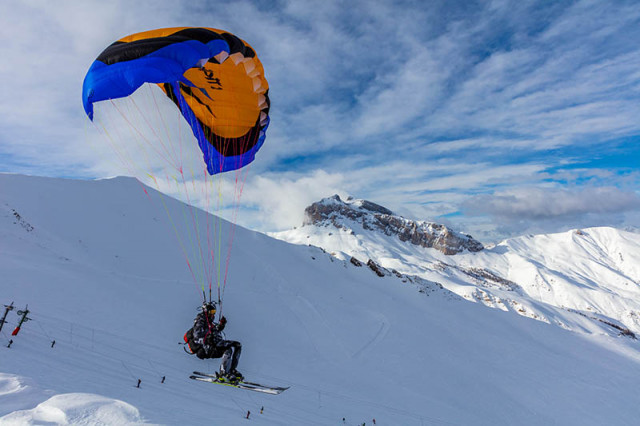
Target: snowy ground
{"points": [[100, 270]]}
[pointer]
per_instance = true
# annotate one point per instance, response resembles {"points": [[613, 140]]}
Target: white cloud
{"points": [[541, 203], [280, 200]]}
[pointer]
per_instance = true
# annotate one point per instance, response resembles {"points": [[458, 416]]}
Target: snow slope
{"points": [[102, 275], [592, 273]]}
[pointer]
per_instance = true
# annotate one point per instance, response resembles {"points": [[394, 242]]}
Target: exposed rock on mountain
{"points": [[333, 211]]}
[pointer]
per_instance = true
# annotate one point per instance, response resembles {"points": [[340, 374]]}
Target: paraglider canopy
{"points": [[212, 76], [217, 83]]}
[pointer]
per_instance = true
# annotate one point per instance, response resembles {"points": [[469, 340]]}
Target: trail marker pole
{"points": [[22, 320], [7, 308]]}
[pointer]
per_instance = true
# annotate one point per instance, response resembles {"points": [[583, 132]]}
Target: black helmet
{"points": [[209, 308]]}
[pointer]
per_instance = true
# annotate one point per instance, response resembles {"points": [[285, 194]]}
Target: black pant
{"points": [[231, 355]]}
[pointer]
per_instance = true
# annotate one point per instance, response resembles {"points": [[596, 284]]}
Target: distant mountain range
{"points": [[585, 280]]}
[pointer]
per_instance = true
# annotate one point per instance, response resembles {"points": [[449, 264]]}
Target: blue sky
{"points": [[498, 118]]}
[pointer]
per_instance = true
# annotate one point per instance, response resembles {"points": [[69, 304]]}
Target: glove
{"points": [[223, 321]]}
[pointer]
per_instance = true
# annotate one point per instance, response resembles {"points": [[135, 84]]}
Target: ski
{"points": [[199, 373], [243, 384], [240, 385]]}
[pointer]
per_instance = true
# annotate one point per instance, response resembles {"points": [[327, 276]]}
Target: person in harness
{"points": [[206, 340]]}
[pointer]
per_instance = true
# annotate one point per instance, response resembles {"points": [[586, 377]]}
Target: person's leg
{"points": [[226, 361], [237, 350], [201, 353]]}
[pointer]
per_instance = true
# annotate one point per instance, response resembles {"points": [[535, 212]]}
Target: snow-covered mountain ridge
{"points": [[99, 267], [341, 214], [592, 272]]}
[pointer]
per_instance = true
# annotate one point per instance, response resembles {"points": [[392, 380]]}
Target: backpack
{"points": [[199, 350], [194, 347]]}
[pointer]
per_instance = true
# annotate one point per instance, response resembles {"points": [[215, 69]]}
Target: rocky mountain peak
{"points": [[333, 211]]}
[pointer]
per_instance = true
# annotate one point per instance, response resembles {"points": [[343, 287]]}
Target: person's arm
{"points": [[199, 327], [222, 323]]}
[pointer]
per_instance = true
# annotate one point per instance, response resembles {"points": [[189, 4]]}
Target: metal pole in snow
{"points": [[7, 308], [22, 320]]}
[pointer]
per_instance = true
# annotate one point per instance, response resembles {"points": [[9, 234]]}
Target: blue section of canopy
{"points": [[165, 65]]}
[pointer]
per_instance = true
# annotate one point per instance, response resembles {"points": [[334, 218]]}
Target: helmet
{"points": [[209, 308]]}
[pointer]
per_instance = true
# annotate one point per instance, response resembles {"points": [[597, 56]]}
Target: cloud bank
{"points": [[441, 110]]}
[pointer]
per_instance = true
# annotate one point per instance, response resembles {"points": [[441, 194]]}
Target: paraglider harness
{"points": [[192, 347]]}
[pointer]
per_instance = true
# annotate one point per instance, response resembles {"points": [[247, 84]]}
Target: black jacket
{"points": [[208, 330]]}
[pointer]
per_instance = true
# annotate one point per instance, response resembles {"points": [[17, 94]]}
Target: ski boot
{"points": [[223, 377], [237, 376]]}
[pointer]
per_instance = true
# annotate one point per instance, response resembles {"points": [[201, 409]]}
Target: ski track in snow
{"points": [[321, 336], [379, 336]]}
